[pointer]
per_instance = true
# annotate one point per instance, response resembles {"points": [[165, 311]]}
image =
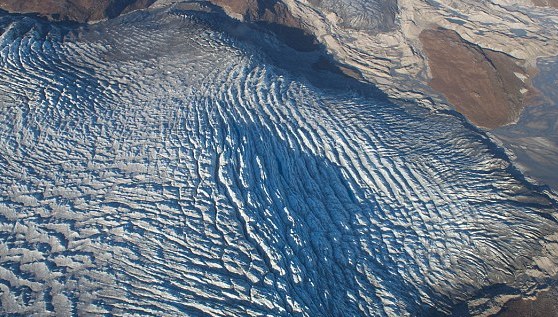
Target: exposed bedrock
{"points": [[376, 15], [488, 87], [75, 10], [275, 16], [546, 3], [544, 305]]}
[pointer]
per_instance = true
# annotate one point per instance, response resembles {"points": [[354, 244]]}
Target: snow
{"points": [[155, 165]]}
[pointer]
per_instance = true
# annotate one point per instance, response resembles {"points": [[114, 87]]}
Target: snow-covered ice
{"points": [[157, 165]]}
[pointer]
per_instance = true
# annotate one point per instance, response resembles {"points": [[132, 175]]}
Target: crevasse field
{"points": [[164, 164]]}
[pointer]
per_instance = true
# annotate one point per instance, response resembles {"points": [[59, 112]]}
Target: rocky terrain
{"points": [[546, 3], [244, 147], [75, 10], [398, 45], [544, 305], [483, 85]]}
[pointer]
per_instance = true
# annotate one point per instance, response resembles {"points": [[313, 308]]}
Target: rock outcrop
{"points": [[546, 3], [488, 87], [273, 15], [75, 10], [543, 305]]}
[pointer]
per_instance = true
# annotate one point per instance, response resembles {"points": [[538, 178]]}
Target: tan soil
{"points": [[480, 83], [546, 3], [544, 305], [75, 10], [275, 16], [261, 11]]}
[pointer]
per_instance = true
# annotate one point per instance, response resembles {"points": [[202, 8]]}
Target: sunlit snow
{"points": [[157, 165]]}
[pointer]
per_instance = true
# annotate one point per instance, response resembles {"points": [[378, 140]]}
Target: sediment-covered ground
{"points": [[75, 10]]}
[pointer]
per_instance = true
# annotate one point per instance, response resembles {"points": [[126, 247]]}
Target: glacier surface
{"points": [[158, 164]]}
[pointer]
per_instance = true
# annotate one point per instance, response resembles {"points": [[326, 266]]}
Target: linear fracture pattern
{"points": [[154, 165], [371, 15]]}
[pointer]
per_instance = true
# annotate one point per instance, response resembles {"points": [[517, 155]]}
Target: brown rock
{"points": [[75, 10], [268, 11], [482, 84], [546, 3], [544, 305], [275, 16], [271, 11]]}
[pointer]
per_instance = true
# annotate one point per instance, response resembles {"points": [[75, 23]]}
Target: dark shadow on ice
{"points": [[292, 49], [312, 221]]}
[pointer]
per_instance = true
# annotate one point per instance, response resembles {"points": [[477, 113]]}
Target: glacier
{"points": [[163, 164]]}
